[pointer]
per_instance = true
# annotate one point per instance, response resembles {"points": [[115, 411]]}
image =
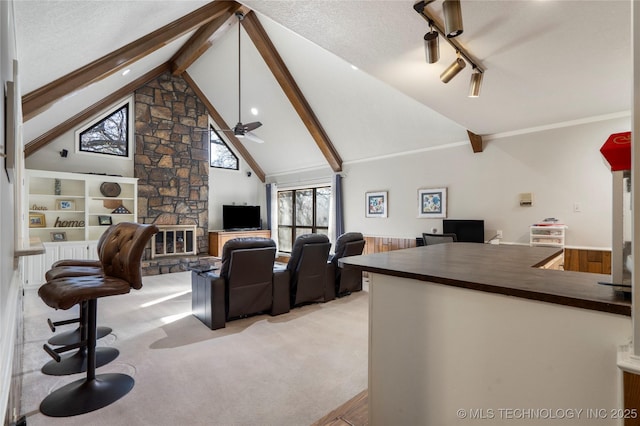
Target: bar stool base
{"points": [[86, 395], [73, 336], [77, 363]]}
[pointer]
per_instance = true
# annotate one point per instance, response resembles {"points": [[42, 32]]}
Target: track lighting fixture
{"points": [[476, 82], [431, 47], [452, 18], [453, 69], [451, 28]]}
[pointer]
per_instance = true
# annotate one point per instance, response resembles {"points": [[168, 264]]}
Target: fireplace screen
{"points": [[174, 240]]}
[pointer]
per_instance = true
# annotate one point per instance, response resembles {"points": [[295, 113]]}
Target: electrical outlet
{"points": [[499, 234]]}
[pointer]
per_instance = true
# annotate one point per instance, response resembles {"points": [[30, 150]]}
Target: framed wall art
{"points": [[432, 203], [376, 204]]}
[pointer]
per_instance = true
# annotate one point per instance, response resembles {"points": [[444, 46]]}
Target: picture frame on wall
{"points": [[37, 220], [432, 203], [376, 204]]}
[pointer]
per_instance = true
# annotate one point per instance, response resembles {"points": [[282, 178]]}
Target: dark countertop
{"points": [[504, 269]]}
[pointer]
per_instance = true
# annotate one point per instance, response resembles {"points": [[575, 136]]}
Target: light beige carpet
{"points": [[290, 369]]}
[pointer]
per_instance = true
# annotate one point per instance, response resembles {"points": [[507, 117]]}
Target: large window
{"points": [[302, 211], [221, 156], [109, 136]]}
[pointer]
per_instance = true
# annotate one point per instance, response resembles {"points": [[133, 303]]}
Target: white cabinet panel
{"points": [[36, 266], [73, 251]]}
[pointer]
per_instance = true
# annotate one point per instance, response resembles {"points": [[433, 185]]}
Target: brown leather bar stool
{"points": [[121, 262], [76, 268]]}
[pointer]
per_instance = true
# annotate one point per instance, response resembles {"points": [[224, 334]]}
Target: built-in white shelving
{"points": [[68, 212]]}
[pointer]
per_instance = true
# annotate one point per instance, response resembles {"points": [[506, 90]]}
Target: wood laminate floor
{"points": [[354, 412]]}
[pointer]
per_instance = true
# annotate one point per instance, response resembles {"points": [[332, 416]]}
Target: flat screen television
{"points": [[467, 230], [240, 217]]}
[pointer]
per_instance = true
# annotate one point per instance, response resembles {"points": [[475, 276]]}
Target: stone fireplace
{"points": [[172, 158]]}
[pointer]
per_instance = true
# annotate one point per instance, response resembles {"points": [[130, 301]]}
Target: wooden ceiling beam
{"points": [[223, 125], [44, 139], [40, 99], [272, 58], [476, 141], [203, 39]]}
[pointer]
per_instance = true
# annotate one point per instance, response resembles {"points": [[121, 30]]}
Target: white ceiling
{"points": [[546, 62]]}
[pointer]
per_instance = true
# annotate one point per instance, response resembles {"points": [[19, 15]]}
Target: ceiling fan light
{"points": [[452, 18], [431, 47], [452, 70], [476, 83]]}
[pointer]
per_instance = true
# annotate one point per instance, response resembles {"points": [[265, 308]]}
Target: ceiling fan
{"points": [[243, 130]]}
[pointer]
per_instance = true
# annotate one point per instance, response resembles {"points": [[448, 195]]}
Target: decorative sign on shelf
{"points": [[68, 223], [37, 207]]}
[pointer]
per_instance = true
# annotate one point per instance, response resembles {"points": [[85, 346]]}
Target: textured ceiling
{"points": [[547, 62]]}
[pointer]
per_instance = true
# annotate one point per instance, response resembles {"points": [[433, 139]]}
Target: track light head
{"points": [[453, 70], [64, 153], [431, 48], [452, 18], [474, 86]]}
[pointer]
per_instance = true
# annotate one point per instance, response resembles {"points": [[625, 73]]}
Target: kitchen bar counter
{"points": [[461, 333], [505, 269]]}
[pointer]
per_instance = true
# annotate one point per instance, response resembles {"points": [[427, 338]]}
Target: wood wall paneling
{"points": [[385, 244]]}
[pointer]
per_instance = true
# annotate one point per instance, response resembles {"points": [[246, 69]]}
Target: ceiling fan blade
{"points": [[252, 137], [252, 126]]}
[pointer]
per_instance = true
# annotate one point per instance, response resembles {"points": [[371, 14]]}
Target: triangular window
{"points": [[108, 136], [221, 156]]}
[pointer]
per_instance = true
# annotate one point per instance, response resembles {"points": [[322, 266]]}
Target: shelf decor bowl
{"points": [[110, 189]]}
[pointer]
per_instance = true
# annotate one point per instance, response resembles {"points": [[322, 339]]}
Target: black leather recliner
{"points": [[243, 285], [307, 267], [346, 280]]}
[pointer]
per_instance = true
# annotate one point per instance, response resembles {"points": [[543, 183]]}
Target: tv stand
{"points": [[218, 238]]}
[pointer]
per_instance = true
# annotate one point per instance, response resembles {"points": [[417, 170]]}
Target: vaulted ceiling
{"points": [[547, 62]]}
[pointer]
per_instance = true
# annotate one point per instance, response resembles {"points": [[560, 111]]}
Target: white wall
{"points": [[560, 167], [48, 157], [225, 186], [234, 187], [9, 282]]}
